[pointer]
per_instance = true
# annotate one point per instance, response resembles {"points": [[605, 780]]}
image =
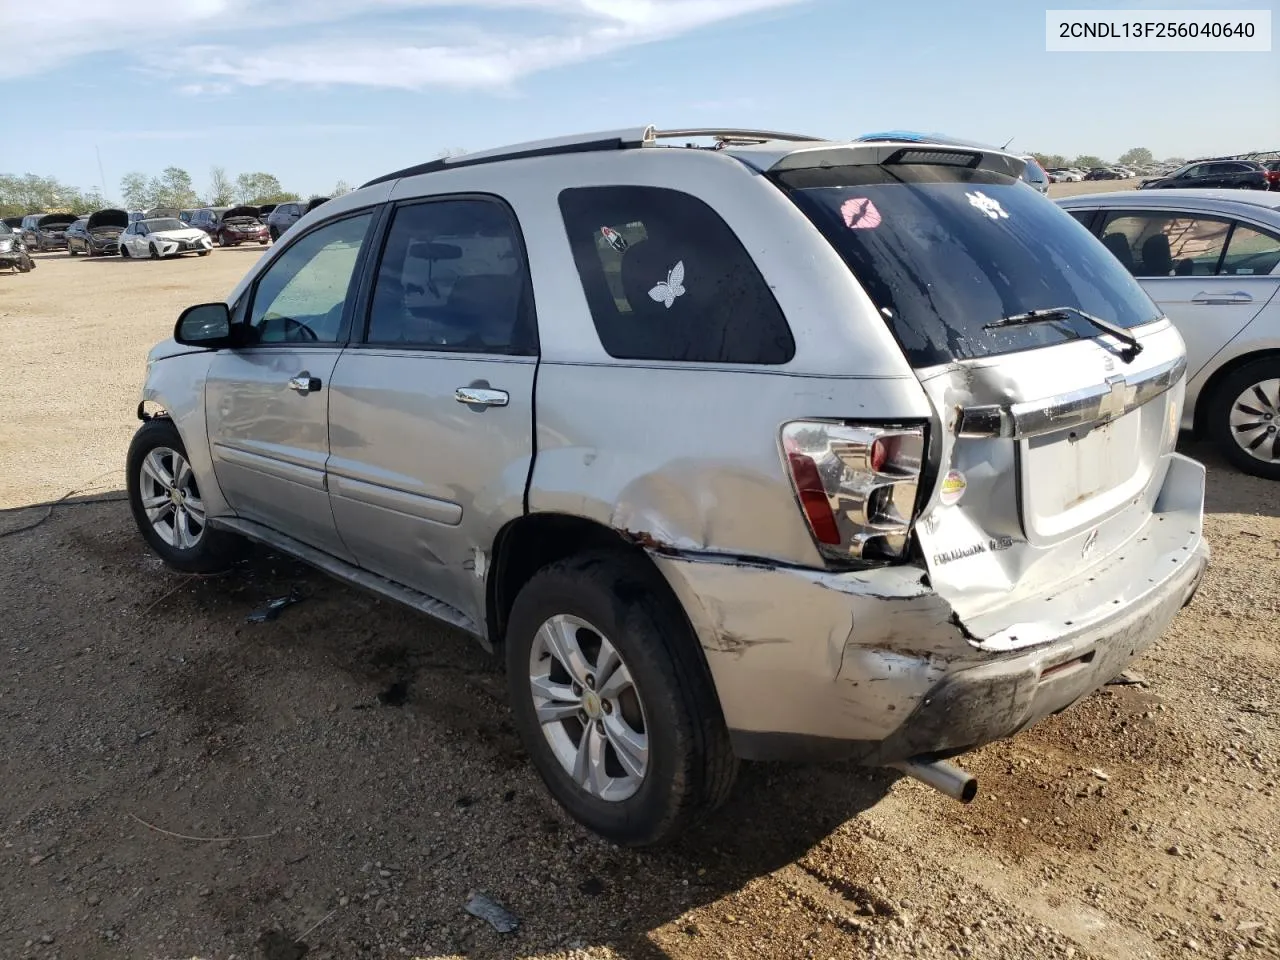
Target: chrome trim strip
{"points": [[1090, 406]]}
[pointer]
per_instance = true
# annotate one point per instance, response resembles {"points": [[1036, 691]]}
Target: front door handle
{"points": [[481, 396], [1235, 296], [304, 383]]}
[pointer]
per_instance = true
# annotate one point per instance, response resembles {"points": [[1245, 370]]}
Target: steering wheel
{"points": [[295, 331]]}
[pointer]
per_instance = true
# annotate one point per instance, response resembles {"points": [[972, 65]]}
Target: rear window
{"points": [[943, 251], [667, 279]]}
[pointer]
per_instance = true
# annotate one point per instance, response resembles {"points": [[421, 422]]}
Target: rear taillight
{"points": [[856, 485]]}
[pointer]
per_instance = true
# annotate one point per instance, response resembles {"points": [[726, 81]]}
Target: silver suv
{"points": [[770, 448]]}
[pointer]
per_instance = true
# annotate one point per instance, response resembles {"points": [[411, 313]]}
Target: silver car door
{"points": [[267, 402], [431, 417]]}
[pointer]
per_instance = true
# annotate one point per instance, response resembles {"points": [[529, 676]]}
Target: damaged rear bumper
{"points": [[875, 666]]}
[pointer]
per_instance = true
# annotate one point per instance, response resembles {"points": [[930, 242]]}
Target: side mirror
{"points": [[204, 325]]}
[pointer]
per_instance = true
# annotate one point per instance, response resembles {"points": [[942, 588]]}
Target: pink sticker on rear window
{"points": [[860, 214]]}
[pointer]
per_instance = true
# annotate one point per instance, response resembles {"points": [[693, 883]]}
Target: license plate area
{"points": [[1073, 478]]}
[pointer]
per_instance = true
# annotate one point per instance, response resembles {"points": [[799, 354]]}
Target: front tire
{"points": [[203, 253], [165, 500], [155, 252], [1244, 418], [613, 700]]}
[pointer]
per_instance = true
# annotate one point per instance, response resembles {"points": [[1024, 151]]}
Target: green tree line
{"points": [[1138, 156], [174, 187]]}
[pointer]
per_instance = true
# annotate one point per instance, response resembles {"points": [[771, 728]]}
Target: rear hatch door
{"points": [[1051, 438]]}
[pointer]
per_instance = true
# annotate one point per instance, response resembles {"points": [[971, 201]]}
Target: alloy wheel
{"points": [[1255, 421], [589, 708], [171, 499]]}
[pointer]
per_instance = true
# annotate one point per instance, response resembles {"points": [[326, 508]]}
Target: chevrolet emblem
{"points": [[1112, 403]]}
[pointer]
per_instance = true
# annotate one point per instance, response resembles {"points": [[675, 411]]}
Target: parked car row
{"points": [[156, 233], [979, 472]]}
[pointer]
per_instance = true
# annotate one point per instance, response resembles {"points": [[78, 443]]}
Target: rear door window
{"points": [[667, 279], [944, 251], [452, 277], [1250, 252], [1166, 243]]}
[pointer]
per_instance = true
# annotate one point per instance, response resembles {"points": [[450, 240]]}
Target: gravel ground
{"points": [[179, 783]]}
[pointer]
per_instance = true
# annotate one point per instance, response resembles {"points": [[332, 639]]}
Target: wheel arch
{"points": [[1204, 398], [533, 541]]}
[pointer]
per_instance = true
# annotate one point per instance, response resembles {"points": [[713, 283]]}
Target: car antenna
{"points": [[1009, 141]]}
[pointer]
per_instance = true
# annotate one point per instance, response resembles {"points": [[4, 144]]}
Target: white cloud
{"points": [[378, 43]]}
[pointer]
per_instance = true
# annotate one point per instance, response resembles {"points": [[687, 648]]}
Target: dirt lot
{"points": [[346, 775]]}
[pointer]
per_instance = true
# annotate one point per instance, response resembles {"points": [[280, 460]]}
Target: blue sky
{"points": [[317, 91]]}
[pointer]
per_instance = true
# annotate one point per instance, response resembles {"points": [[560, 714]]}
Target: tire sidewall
{"points": [[1220, 416], [636, 637]]}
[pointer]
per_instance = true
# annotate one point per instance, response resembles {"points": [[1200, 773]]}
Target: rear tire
{"points": [[275, 234], [124, 251], [1244, 412], [688, 766], [175, 529]]}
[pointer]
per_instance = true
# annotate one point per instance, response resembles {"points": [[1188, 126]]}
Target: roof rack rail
{"points": [[582, 143], [586, 143], [733, 135]]}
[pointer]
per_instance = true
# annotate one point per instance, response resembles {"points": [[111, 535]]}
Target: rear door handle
{"points": [[1235, 296], [304, 383], [481, 396]]}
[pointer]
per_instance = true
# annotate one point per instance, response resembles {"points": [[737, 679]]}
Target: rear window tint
{"points": [[944, 251], [666, 279]]}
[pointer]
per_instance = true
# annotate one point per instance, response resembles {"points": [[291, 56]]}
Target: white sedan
{"points": [[163, 237]]}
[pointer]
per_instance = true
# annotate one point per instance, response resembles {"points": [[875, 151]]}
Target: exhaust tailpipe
{"points": [[943, 776]]}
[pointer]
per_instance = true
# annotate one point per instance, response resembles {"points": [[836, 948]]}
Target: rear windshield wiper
{"points": [[1062, 313]]}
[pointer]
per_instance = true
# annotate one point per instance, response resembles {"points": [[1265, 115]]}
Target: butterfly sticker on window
{"points": [[667, 290]]}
